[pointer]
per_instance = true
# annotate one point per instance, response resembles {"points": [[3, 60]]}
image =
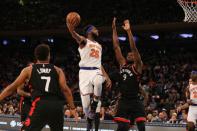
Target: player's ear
{"points": [[49, 56]]}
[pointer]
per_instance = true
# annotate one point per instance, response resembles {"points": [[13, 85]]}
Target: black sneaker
{"points": [[89, 124]]}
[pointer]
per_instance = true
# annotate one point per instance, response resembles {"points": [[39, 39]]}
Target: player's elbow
{"points": [[18, 91]]}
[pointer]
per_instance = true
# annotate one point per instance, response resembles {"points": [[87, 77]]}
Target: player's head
{"points": [[130, 57], [91, 30], [30, 63], [193, 76], [42, 52]]}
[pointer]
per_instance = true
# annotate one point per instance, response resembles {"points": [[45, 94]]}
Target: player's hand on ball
{"points": [[126, 25], [70, 27], [75, 114], [114, 23]]}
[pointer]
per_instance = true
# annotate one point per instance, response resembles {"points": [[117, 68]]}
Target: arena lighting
{"points": [[5, 42], [184, 35], [50, 40], [122, 38], [135, 38], [23, 40], [155, 37]]}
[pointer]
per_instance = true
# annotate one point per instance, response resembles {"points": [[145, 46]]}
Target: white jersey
{"points": [[90, 54], [193, 93]]}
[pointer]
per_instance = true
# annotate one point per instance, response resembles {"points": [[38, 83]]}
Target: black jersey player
{"points": [[47, 81], [25, 101], [130, 108]]}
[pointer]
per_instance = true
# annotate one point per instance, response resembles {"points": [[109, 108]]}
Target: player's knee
{"points": [[190, 126], [141, 125], [98, 83]]}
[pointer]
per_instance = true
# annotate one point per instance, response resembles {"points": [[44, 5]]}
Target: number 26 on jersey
{"points": [[94, 53]]}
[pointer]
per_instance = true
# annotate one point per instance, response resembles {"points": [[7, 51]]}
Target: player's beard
{"points": [[130, 61], [95, 36]]}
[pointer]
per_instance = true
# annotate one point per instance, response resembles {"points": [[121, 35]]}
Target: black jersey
{"points": [[129, 82], [27, 88], [44, 81]]}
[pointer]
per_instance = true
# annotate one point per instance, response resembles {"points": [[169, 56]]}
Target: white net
{"points": [[190, 9]]}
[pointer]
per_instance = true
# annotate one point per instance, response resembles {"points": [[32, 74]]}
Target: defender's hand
{"points": [[126, 25], [108, 83], [114, 23], [75, 114]]}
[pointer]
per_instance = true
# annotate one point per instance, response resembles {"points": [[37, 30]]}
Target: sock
{"points": [[94, 105]]}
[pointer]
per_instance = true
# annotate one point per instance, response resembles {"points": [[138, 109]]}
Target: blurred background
{"points": [[167, 46]]}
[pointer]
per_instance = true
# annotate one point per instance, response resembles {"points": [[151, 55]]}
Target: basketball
{"points": [[73, 18]]}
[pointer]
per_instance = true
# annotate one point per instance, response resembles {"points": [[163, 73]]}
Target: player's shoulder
{"points": [[28, 68]]}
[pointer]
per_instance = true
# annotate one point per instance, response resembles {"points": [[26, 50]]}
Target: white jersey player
{"points": [[191, 95], [91, 74]]}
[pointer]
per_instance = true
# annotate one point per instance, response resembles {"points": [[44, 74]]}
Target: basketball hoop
{"points": [[190, 9]]}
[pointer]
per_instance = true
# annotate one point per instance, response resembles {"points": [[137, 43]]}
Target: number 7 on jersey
{"points": [[48, 79]]}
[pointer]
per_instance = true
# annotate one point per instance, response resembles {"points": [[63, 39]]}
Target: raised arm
{"points": [[81, 40], [116, 46], [137, 58], [18, 82]]}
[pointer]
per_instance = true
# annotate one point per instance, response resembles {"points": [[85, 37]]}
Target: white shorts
{"points": [[192, 114], [90, 82]]}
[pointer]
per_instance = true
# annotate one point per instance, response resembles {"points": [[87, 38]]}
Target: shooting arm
{"points": [[80, 39]]}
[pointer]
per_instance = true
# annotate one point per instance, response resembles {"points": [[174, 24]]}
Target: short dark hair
{"points": [[42, 52]]}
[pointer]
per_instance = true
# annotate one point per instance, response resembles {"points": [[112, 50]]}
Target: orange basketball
{"points": [[73, 18]]}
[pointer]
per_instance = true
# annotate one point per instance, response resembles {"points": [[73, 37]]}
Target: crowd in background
{"points": [[42, 14], [165, 76]]}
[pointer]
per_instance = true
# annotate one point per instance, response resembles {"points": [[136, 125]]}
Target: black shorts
{"points": [[45, 111], [130, 111]]}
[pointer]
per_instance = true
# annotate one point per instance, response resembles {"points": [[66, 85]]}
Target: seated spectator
{"points": [[173, 119], [149, 118], [155, 117]]}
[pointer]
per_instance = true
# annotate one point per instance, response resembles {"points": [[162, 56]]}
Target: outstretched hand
{"points": [[126, 25], [108, 83], [114, 23]]}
